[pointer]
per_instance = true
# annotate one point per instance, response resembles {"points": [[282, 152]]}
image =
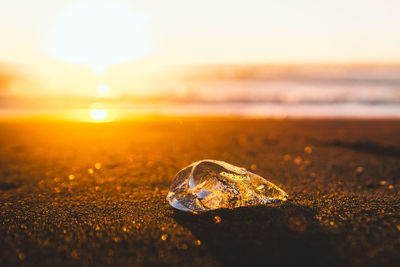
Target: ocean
{"points": [[282, 91], [311, 91]]}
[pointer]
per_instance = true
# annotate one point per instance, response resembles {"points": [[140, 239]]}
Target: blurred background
{"points": [[106, 60]]}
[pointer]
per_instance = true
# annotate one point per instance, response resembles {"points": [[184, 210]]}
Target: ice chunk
{"points": [[212, 184]]}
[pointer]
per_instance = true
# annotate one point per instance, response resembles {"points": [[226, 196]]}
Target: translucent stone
{"points": [[211, 184]]}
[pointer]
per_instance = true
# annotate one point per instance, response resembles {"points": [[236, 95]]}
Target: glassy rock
{"points": [[212, 184]]}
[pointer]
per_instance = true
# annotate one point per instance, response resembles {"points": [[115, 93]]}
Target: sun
{"points": [[98, 33], [98, 113]]}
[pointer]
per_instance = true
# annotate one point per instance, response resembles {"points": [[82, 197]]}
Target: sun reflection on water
{"points": [[98, 114], [95, 113]]}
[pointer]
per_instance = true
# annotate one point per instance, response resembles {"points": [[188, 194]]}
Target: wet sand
{"points": [[94, 194]]}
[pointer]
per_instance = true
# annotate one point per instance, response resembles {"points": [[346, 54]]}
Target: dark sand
{"points": [[118, 215]]}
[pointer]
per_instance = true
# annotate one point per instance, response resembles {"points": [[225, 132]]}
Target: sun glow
{"points": [[98, 114], [98, 70], [98, 33], [103, 90]]}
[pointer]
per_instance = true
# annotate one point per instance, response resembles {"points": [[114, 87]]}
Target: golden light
{"points": [[98, 70], [98, 33], [102, 89], [98, 114]]}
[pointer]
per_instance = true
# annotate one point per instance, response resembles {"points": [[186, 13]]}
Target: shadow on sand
{"points": [[285, 235], [366, 146]]}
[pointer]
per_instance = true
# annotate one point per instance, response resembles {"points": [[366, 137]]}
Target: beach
{"points": [[74, 193]]}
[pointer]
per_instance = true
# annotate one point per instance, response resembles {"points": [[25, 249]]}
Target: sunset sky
{"points": [[103, 49], [181, 31]]}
